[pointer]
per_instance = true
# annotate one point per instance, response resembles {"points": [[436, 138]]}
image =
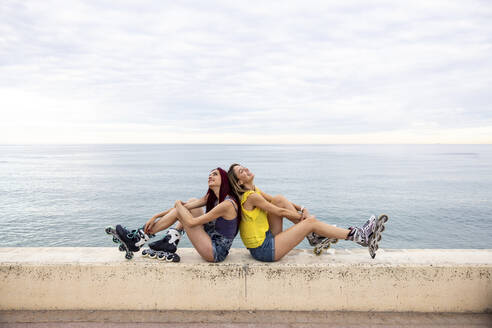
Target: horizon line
{"points": [[247, 144]]}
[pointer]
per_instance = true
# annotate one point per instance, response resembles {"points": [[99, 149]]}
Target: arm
{"points": [[260, 202], [266, 196], [220, 210], [189, 205], [160, 215], [269, 198], [297, 207], [196, 203]]}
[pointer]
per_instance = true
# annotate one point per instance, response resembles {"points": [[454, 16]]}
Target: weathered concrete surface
{"points": [[346, 280], [239, 319]]}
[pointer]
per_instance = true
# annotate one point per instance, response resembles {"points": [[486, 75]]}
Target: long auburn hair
{"points": [[225, 189]]}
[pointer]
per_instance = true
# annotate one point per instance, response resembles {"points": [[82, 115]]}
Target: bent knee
{"points": [[310, 220], [278, 199], [208, 256]]}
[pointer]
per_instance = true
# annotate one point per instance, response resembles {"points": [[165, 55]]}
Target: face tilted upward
{"points": [[214, 179], [243, 174]]}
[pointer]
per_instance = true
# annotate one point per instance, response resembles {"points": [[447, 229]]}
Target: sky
{"points": [[248, 72]]}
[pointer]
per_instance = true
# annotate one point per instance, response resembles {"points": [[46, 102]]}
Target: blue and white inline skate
{"points": [[130, 241], [165, 248]]}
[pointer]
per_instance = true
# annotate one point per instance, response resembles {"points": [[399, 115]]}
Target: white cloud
{"points": [[271, 68]]}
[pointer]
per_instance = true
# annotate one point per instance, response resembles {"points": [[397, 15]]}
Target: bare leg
{"points": [[275, 221], [170, 218], [285, 241], [165, 222], [179, 225], [200, 239]]}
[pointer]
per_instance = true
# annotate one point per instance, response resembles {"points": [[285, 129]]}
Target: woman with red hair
{"points": [[211, 233]]}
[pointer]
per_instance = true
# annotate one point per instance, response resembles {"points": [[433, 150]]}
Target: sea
{"points": [[436, 196]]}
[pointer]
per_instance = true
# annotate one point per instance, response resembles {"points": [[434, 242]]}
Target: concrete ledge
{"points": [[346, 280]]}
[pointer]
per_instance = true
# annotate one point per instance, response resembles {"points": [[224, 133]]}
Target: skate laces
{"points": [[132, 234], [362, 235], [368, 226], [139, 234], [359, 235]]}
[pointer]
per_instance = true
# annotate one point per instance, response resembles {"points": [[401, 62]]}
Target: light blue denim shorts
{"points": [[265, 252]]}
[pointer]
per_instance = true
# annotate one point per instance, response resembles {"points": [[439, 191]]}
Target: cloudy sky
{"points": [[245, 71]]}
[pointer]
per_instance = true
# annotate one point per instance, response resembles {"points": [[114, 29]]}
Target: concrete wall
{"points": [[348, 280]]}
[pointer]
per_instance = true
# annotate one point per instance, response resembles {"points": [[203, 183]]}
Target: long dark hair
{"points": [[225, 189]]}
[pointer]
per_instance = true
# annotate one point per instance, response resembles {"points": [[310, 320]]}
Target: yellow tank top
{"points": [[254, 223]]}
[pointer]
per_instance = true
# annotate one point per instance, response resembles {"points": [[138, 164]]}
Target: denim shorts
{"points": [[265, 252], [221, 246], [220, 243]]}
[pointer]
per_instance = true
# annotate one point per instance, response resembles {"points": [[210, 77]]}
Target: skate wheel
{"points": [[122, 248], [129, 256], [382, 228], [145, 252], [379, 238], [108, 230], [317, 251], [115, 240], [176, 258], [372, 251]]}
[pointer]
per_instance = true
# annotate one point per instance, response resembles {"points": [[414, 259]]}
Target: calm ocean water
{"points": [[437, 196]]}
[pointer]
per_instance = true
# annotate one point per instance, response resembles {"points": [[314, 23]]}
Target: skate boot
{"points": [[314, 239], [169, 243], [370, 233], [130, 241], [319, 242], [165, 248], [325, 243], [133, 239]]}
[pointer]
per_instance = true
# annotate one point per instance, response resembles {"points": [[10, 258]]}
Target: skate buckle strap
{"points": [[133, 233], [140, 233]]}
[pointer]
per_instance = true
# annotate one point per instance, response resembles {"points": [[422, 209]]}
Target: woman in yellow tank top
{"points": [[261, 225]]}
